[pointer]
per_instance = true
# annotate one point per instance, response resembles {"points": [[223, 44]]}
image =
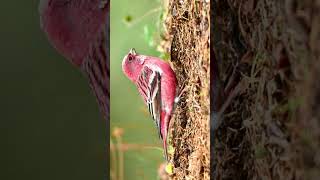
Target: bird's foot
{"points": [[177, 99]]}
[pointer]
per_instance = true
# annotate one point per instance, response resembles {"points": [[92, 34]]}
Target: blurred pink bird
{"points": [[157, 84], [79, 30]]}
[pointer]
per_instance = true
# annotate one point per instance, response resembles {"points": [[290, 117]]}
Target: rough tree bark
{"points": [[271, 130], [188, 40]]}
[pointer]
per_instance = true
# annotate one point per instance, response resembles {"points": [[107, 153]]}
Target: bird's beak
{"points": [[133, 51]]}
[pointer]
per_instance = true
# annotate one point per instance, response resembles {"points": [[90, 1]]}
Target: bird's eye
{"points": [[130, 58]]}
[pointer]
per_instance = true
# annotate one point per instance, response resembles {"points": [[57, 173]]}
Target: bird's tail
{"points": [[165, 148], [164, 131]]}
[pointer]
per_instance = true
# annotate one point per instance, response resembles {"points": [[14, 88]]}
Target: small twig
{"points": [[120, 155], [114, 160], [243, 32], [143, 16], [126, 147], [236, 91]]}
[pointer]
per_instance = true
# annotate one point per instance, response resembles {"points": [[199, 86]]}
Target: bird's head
{"points": [[73, 25], [132, 64]]}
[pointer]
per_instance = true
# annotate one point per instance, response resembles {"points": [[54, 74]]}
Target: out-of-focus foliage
{"points": [[136, 153]]}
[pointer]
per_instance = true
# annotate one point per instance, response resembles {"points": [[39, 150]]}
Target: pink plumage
{"points": [[79, 30], [157, 84]]}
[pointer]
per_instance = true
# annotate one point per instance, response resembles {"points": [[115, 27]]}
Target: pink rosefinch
{"points": [[79, 30], [157, 84]]}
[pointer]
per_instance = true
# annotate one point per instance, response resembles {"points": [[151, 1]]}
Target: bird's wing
{"points": [[96, 65], [149, 85]]}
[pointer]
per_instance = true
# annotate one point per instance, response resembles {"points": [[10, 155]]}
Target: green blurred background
{"points": [[132, 25], [51, 127]]}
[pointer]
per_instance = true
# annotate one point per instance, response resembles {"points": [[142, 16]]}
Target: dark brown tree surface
{"points": [[187, 39], [271, 128]]}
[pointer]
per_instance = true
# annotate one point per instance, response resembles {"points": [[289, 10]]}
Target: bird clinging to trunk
{"points": [[79, 30], [157, 84]]}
